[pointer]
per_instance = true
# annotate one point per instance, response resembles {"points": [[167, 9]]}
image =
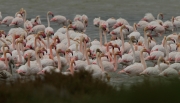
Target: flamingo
{"points": [[7, 20], [120, 22], [157, 69], [136, 68], [19, 21], [111, 22], [31, 67], [125, 46], [176, 23], [36, 21], [135, 33], [148, 17], [0, 17], [97, 70], [59, 19], [128, 59], [28, 25], [49, 30]]}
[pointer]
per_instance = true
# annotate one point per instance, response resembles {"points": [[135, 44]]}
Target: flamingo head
{"points": [[2, 59], [4, 21], [13, 23], [170, 39], [162, 16], [41, 33], [43, 50], [116, 46], [98, 50], [26, 55], [42, 72], [118, 53], [7, 51], [56, 38], [28, 47], [50, 13], [125, 27], [116, 25], [2, 32], [96, 22], [133, 39], [145, 50], [21, 72], [71, 26], [53, 19], [112, 33], [89, 52], [69, 51], [60, 51], [86, 39], [73, 61], [53, 45], [144, 19]]}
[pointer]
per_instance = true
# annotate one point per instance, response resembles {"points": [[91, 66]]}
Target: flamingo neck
{"points": [[51, 53], [48, 42], [84, 51], [67, 57], [13, 43], [76, 47], [107, 49], [101, 65], [134, 27], [97, 59], [59, 60], [87, 58], [68, 38], [134, 58], [105, 38], [146, 40], [143, 61], [115, 63], [166, 49], [24, 16], [178, 49], [44, 44], [6, 62], [35, 43], [122, 40], [71, 68], [172, 20], [18, 50], [22, 47], [81, 46], [48, 20], [28, 61], [100, 35], [38, 61], [84, 26], [158, 17], [2, 41]]}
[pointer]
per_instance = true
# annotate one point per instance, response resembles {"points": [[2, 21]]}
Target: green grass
{"points": [[82, 88]]}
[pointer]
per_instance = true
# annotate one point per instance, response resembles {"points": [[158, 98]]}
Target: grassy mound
{"points": [[82, 88]]}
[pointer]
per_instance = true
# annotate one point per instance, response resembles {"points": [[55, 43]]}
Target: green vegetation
{"points": [[82, 88]]}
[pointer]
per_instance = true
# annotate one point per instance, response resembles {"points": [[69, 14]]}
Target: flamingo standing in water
{"points": [[59, 19], [136, 68], [157, 69]]}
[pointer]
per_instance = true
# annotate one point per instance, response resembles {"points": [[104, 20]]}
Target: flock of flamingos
{"points": [[30, 48]]}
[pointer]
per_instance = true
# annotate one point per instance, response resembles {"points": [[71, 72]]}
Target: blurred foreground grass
{"points": [[82, 88]]}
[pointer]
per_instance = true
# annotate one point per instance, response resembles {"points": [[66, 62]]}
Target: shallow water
{"points": [[131, 10]]}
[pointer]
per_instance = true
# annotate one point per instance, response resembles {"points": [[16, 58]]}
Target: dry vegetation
{"points": [[82, 88]]}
